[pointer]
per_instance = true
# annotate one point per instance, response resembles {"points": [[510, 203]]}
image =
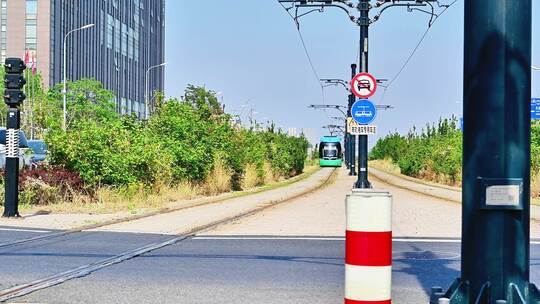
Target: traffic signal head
{"points": [[14, 81], [13, 97], [14, 66]]}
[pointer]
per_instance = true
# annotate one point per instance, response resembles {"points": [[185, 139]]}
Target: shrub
{"points": [[219, 178], [186, 140], [54, 176], [436, 153], [37, 192]]}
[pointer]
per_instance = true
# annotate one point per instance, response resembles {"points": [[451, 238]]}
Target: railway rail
{"points": [[48, 236], [84, 270]]}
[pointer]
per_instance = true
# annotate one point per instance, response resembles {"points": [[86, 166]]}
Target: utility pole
{"points": [[363, 7], [496, 156], [352, 139], [363, 182], [351, 9]]}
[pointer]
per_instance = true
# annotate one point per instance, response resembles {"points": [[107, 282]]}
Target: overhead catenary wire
{"points": [[312, 65], [308, 56], [416, 48]]}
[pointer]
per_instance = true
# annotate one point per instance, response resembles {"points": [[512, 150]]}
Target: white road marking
{"points": [[314, 238], [422, 240], [302, 238], [25, 230]]}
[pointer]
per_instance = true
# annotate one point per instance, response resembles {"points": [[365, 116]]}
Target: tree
{"points": [[87, 99]]}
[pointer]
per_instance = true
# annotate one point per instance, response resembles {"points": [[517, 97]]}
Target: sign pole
{"points": [[11, 208], [496, 156], [352, 138], [362, 181]]}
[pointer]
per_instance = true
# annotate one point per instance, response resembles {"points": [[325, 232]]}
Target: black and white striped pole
{"points": [[13, 97]]}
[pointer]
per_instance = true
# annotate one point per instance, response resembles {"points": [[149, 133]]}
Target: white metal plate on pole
{"points": [[355, 128]]}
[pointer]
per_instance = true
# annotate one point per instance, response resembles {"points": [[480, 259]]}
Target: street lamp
{"points": [[147, 89], [64, 91]]}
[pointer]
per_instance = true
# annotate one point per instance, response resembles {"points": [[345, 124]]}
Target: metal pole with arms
{"points": [[352, 138], [496, 156], [64, 91], [363, 182]]}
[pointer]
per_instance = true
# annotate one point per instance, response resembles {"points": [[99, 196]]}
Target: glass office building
{"points": [[127, 39]]}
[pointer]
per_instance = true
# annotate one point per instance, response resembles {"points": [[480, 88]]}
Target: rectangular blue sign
{"points": [[535, 108]]}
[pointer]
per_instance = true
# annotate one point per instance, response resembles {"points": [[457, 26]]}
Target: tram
{"points": [[330, 152]]}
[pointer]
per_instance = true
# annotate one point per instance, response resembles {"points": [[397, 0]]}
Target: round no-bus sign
{"points": [[364, 85]]}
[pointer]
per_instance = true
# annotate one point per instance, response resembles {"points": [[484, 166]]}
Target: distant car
{"points": [[23, 143], [24, 159], [38, 150]]}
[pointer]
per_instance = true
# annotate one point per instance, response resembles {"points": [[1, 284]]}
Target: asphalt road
{"points": [[289, 254], [240, 269]]}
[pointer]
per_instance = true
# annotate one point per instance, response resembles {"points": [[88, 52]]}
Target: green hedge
{"points": [[438, 149], [179, 143]]}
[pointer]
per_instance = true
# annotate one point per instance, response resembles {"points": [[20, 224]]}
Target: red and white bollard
{"points": [[368, 257]]}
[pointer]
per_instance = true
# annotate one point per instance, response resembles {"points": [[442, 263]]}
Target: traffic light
{"points": [[14, 81], [13, 96]]}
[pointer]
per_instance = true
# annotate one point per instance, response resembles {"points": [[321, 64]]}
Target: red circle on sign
{"points": [[360, 79]]}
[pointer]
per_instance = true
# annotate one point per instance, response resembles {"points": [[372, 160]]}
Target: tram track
{"points": [[132, 218], [84, 270]]}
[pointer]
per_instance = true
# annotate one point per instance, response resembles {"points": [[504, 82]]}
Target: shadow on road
{"points": [[297, 259], [430, 264]]}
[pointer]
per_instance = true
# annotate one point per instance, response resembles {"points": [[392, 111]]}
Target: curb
{"points": [[450, 195], [202, 201], [446, 193]]}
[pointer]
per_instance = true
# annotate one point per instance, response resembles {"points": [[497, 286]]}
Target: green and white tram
{"points": [[330, 152]]}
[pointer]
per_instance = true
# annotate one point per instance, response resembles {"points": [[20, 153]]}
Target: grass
{"points": [[251, 178], [138, 199], [386, 165]]}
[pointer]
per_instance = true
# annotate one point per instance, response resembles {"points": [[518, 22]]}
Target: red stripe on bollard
{"points": [[368, 249], [367, 302]]}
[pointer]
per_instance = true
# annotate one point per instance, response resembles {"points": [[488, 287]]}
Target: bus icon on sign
{"points": [[364, 112]]}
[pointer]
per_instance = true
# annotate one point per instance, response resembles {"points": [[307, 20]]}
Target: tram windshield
{"points": [[330, 151]]}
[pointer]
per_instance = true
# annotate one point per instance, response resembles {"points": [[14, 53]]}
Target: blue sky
{"points": [[251, 53]]}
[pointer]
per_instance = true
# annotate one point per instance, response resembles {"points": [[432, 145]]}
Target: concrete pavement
{"points": [[414, 215]]}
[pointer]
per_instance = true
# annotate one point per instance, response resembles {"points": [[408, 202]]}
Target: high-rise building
{"points": [[127, 39], [292, 132]]}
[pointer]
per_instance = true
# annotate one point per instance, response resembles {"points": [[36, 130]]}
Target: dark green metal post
{"points": [[352, 144], [496, 156], [346, 147], [362, 181]]}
